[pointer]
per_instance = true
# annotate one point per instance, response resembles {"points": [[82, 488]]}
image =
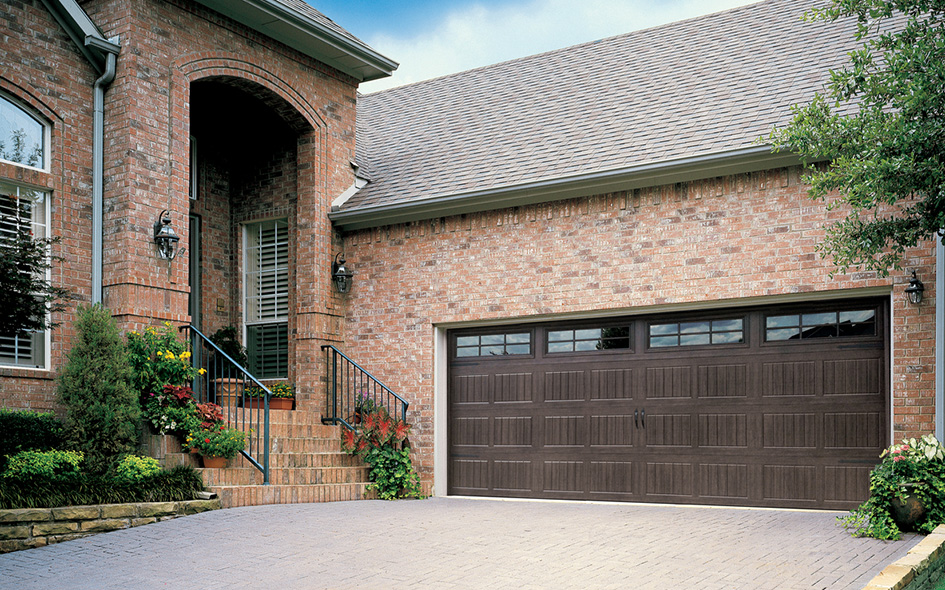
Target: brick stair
{"points": [[306, 464]]}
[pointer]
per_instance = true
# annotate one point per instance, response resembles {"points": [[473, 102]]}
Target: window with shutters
{"points": [[22, 207], [266, 297]]}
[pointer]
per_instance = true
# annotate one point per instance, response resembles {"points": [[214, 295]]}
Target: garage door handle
{"points": [[643, 417], [636, 418]]}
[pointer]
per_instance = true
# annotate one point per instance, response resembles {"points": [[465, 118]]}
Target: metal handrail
{"points": [[351, 389], [225, 383]]}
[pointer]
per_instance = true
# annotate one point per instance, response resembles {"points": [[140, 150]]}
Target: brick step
{"points": [[313, 460], [281, 445], [241, 476], [303, 431], [258, 495], [231, 476]]}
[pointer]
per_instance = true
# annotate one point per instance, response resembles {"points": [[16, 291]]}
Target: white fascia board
{"points": [[743, 160], [308, 36]]}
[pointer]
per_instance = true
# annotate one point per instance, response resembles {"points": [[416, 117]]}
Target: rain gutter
{"points": [[742, 160]]}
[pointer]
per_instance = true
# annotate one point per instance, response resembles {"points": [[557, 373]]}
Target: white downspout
{"points": [[98, 159]]}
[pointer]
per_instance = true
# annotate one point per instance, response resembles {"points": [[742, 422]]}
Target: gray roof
{"points": [[677, 93]]}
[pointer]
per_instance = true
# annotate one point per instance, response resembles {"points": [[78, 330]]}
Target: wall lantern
{"points": [[915, 290], [165, 237], [340, 275]]}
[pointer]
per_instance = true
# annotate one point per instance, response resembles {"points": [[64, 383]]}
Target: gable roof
{"points": [[307, 30], [673, 103]]}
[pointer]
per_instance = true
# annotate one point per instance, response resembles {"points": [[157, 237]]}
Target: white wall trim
{"points": [[440, 450]]}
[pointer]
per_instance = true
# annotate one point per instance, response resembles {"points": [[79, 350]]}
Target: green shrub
{"points": [[94, 386], [51, 464], [381, 442], [81, 488], [135, 468], [23, 430]]}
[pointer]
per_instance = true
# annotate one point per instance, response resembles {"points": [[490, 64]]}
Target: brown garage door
{"points": [[782, 407]]}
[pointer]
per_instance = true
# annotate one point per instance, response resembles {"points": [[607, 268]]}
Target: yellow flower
{"points": [[184, 355], [202, 371], [168, 324]]}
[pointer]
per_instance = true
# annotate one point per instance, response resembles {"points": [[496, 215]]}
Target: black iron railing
{"points": [[353, 391], [228, 384]]}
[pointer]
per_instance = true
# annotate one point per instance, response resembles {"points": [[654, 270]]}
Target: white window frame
{"points": [[278, 318], [46, 134], [42, 230]]}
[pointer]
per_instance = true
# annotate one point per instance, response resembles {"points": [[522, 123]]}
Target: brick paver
{"points": [[453, 543]]}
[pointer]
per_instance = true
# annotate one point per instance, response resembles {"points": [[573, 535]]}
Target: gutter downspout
{"points": [[98, 159]]}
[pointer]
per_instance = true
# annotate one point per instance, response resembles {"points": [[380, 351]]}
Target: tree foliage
{"points": [[95, 387], [26, 297], [880, 126]]}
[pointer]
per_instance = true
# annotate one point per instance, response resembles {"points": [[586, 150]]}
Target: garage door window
{"points": [[588, 339], [832, 324], [731, 331], [494, 344]]}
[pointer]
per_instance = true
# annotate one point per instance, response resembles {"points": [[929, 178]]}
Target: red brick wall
{"points": [[165, 46], [43, 71], [743, 237]]}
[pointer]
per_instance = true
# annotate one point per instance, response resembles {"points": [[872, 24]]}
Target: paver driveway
{"points": [[464, 543]]}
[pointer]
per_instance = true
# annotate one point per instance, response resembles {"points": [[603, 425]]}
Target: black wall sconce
{"points": [[165, 237], [340, 275], [915, 290]]}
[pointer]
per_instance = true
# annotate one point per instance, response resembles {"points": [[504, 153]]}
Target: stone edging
{"points": [[24, 528], [920, 569]]}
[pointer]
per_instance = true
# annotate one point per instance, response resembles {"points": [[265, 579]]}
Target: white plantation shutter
{"points": [[22, 207], [266, 304]]}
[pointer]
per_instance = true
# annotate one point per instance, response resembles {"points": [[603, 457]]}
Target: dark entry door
{"points": [[771, 406]]}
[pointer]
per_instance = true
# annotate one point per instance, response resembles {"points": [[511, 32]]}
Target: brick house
{"points": [[580, 268]]}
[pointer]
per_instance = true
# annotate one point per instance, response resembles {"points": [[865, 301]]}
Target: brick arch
{"points": [[19, 93], [264, 84]]}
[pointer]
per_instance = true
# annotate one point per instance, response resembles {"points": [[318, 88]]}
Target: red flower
{"points": [[206, 440]]}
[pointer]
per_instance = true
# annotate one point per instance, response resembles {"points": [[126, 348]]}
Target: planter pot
{"points": [[228, 391], [906, 513], [214, 462], [275, 403]]}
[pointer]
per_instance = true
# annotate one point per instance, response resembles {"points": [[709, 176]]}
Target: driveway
{"points": [[464, 543]]}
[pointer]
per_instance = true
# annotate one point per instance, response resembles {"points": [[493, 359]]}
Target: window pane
{"points": [[587, 334], [725, 325], [471, 351], [693, 327], [660, 329], [560, 335], [493, 339], [560, 346], [727, 338], [584, 345], [268, 350], [22, 137], [693, 339], [780, 321], [817, 319], [857, 316], [492, 350], [522, 338], [517, 349], [783, 334], [659, 341]]}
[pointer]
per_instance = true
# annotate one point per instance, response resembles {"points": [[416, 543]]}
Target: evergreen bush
{"points": [[22, 430], [95, 388]]}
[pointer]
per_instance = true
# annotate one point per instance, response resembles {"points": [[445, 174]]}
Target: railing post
{"points": [[266, 439]]}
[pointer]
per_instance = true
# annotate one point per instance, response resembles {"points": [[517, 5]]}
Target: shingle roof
{"points": [[702, 86]]}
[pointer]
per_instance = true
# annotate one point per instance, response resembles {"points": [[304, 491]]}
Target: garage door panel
{"points": [[512, 475], [847, 483], [668, 382], [670, 478], [789, 379], [714, 381], [563, 476], [790, 482], [723, 430], [853, 430], [611, 384], [612, 431], [469, 475], [512, 431], [512, 388], [611, 477], [724, 480], [470, 431], [565, 431], [852, 377], [790, 431], [471, 389], [668, 430]]}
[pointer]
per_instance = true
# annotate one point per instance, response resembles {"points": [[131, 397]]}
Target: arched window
{"points": [[22, 136]]}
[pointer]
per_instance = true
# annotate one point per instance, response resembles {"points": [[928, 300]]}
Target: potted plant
{"points": [[381, 442], [217, 444], [363, 405], [228, 388], [905, 491], [282, 396]]}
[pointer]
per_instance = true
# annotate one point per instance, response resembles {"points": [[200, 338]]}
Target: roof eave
{"points": [[307, 36], [84, 33], [750, 159]]}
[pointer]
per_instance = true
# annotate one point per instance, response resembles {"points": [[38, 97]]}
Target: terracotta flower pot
{"points": [[214, 462], [275, 403], [228, 392]]}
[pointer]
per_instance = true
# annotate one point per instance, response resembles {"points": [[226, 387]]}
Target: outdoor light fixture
{"points": [[165, 237], [914, 290], [340, 275]]}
